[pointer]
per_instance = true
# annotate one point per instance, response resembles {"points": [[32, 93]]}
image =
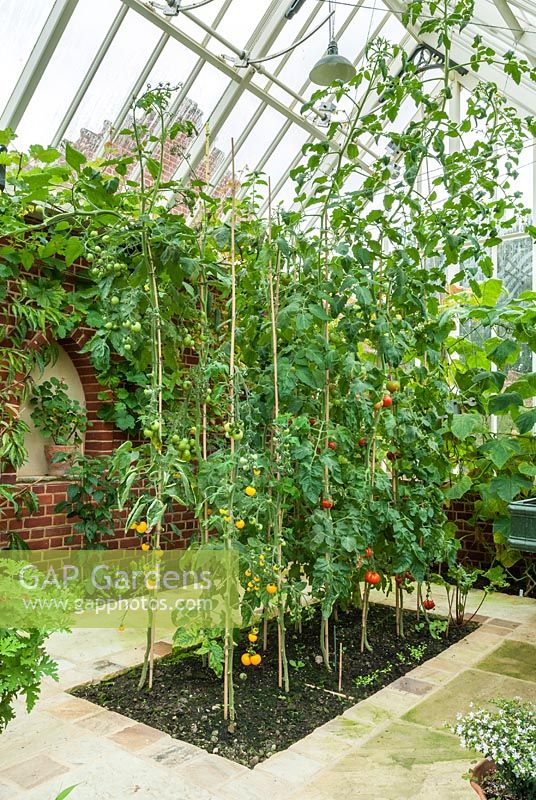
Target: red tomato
{"points": [[428, 604], [332, 445], [326, 503], [372, 577], [399, 580], [369, 552], [362, 442], [312, 421], [387, 401], [378, 405]]}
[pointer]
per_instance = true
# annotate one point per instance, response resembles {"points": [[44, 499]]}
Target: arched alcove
{"points": [[63, 369]]}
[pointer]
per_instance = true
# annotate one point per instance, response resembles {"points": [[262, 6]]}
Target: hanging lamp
{"points": [[332, 66]]}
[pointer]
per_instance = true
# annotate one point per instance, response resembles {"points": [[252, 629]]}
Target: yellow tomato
{"points": [[142, 527], [145, 546], [256, 472], [255, 659], [247, 573], [224, 512], [271, 588], [252, 637], [227, 519], [250, 491], [240, 524], [246, 659]]}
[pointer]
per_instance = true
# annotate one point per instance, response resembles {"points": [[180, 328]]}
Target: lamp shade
{"points": [[332, 67]]}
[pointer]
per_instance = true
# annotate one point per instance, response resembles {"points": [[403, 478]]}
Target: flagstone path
{"points": [[392, 746]]}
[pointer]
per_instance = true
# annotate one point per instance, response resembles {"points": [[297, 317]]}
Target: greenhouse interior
{"points": [[268, 399]]}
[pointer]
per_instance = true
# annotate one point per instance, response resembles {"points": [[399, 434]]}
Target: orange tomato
{"points": [[246, 659], [255, 659]]}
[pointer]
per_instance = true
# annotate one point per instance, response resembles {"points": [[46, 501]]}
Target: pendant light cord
{"points": [[331, 21]]}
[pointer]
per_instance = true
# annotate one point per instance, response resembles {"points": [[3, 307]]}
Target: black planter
{"points": [[523, 525]]}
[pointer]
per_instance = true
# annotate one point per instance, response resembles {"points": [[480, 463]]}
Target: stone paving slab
{"points": [[515, 659], [472, 686], [136, 736], [33, 771], [294, 767]]}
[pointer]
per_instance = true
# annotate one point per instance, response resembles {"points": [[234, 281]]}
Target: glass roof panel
{"points": [[240, 21], [64, 73], [114, 80], [22, 21], [237, 122], [173, 66], [256, 144], [291, 144]]}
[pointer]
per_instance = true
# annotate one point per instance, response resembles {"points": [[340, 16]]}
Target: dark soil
{"points": [[186, 699], [495, 788]]}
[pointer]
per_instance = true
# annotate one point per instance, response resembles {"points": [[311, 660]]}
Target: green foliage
{"points": [[203, 642], [23, 657], [91, 499], [57, 415]]}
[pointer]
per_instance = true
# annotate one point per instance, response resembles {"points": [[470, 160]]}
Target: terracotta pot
{"points": [[479, 772], [59, 468]]}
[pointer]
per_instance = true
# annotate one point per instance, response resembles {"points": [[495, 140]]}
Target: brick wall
{"points": [[476, 540], [48, 529]]}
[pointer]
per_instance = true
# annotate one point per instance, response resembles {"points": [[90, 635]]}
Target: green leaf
{"points": [[508, 486], [526, 421], [527, 469], [460, 488], [74, 157], [66, 792], [490, 291], [500, 403], [500, 450], [464, 425], [505, 352], [73, 250], [45, 155]]}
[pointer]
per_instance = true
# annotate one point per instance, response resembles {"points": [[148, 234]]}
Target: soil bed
{"points": [[496, 789], [186, 698]]}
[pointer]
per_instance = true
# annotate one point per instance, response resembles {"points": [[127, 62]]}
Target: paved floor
{"points": [[392, 746]]}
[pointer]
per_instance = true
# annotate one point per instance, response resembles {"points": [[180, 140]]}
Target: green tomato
{"points": [[187, 456], [109, 326], [147, 433], [175, 439], [136, 327], [127, 346], [155, 426], [114, 300]]}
